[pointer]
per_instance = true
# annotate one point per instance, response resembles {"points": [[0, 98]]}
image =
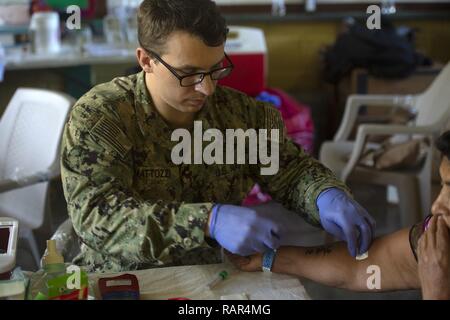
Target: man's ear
{"points": [[144, 60]]}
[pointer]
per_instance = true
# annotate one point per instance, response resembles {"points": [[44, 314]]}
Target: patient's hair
{"points": [[157, 19], [443, 144]]}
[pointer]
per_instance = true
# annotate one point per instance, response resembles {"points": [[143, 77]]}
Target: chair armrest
{"points": [[373, 129], [354, 102], [9, 184]]}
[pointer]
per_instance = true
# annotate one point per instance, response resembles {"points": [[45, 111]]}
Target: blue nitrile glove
{"points": [[245, 231], [344, 218]]}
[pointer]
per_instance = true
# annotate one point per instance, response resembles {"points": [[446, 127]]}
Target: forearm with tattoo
{"points": [[322, 250]]}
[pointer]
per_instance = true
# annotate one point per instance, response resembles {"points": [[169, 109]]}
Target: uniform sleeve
{"points": [[300, 178], [108, 216]]}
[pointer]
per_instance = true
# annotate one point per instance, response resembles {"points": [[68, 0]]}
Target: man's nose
{"points": [[207, 86], [439, 208]]}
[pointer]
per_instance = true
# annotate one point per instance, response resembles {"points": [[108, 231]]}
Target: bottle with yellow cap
{"points": [[53, 261], [54, 267], [54, 282]]}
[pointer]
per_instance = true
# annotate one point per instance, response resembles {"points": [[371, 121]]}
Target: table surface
{"points": [[97, 53], [191, 282]]}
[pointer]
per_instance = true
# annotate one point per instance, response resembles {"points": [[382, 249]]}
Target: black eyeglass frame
{"points": [[204, 74]]}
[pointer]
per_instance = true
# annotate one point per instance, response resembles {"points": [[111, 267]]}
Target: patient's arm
{"points": [[333, 266]]}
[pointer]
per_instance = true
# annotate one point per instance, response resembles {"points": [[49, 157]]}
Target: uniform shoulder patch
{"points": [[108, 134]]}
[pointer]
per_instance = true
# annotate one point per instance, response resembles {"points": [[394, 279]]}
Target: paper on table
{"points": [[235, 296], [190, 281]]}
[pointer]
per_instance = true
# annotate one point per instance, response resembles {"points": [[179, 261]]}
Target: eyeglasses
{"points": [[196, 78]]}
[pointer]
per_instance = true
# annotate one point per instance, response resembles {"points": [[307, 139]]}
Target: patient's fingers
{"points": [[432, 225], [446, 220], [433, 232], [442, 233]]}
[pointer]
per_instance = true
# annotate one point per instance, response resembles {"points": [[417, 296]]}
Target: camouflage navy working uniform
{"points": [[132, 208]]}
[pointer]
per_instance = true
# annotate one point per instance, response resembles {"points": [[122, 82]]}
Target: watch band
{"points": [[268, 258]]}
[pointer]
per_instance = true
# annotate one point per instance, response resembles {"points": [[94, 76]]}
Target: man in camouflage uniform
{"points": [[133, 208]]}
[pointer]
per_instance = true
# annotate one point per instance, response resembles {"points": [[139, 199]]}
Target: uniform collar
{"points": [[149, 120]]}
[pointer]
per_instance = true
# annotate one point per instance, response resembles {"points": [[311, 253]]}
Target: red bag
{"points": [[297, 118], [299, 127]]}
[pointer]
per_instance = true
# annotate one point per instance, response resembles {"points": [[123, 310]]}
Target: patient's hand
{"points": [[249, 263], [434, 259]]}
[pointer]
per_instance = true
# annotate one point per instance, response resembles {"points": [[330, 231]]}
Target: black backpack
{"points": [[384, 52]]}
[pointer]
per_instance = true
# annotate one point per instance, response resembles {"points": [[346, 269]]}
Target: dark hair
{"points": [[157, 19], [443, 144]]}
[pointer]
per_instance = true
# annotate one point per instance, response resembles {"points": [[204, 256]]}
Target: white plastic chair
{"points": [[30, 134], [413, 186]]}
